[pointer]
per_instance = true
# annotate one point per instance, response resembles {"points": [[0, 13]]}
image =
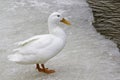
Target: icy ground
{"points": [[87, 55]]}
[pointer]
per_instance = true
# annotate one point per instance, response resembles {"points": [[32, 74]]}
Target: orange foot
{"points": [[46, 70], [43, 69]]}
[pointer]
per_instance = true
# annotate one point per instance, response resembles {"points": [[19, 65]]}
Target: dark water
{"points": [[107, 18]]}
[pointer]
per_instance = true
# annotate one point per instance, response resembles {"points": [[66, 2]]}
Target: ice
{"points": [[87, 55]]}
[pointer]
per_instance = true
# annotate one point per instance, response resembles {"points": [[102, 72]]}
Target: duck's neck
{"points": [[54, 29]]}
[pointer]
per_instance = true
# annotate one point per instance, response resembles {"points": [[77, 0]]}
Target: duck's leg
{"points": [[38, 68], [46, 70]]}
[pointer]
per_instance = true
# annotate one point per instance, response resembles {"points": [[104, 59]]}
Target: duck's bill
{"points": [[65, 21]]}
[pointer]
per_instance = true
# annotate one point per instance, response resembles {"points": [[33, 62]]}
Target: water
{"points": [[87, 55]]}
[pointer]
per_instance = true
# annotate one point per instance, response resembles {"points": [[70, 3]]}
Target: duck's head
{"points": [[56, 18]]}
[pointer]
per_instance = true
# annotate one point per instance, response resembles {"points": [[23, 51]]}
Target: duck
{"points": [[41, 48]]}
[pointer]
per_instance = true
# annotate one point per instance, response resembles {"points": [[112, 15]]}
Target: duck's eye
{"points": [[58, 15]]}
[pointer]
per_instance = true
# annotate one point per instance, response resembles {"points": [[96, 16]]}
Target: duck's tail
{"points": [[15, 57]]}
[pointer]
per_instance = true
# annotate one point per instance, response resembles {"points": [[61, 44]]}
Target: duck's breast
{"points": [[52, 50]]}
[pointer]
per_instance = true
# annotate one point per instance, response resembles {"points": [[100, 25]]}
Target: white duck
{"points": [[39, 49]]}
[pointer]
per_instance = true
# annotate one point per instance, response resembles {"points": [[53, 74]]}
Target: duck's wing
{"points": [[36, 42], [25, 42]]}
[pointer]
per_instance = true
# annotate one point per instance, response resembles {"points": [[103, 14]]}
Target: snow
{"points": [[87, 55]]}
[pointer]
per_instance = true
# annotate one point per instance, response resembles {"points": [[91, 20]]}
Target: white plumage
{"points": [[41, 48]]}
